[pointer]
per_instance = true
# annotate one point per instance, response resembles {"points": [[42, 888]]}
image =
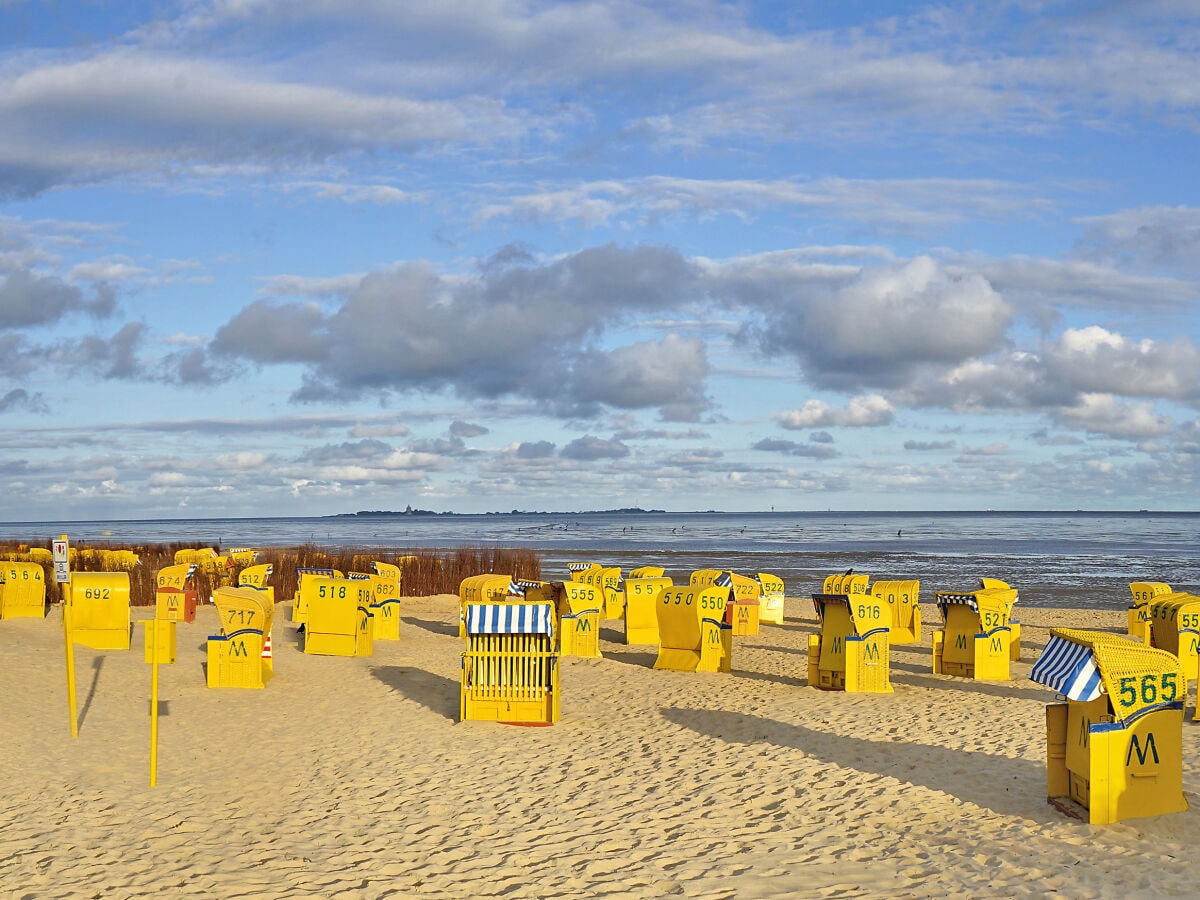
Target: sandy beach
{"points": [[353, 778]]}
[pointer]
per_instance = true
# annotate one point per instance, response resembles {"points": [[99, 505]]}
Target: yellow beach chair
{"points": [[241, 655], [99, 610], [1115, 746], [510, 669], [22, 591], [694, 632], [339, 618], [976, 640]]}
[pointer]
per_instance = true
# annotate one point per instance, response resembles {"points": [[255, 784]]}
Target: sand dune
{"points": [[353, 778]]}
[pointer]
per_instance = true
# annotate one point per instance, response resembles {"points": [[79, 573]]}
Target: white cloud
{"points": [[1096, 360], [897, 204], [886, 322], [871, 410], [1104, 414], [379, 194], [124, 111]]}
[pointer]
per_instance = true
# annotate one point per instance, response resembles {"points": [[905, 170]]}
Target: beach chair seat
{"points": [[641, 608], [339, 621], [608, 580], [744, 611], [242, 556], [1138, 615], [174, 604], [99, 610], [847, 584], [385, 601], [904, 620], [694, 631], [240, 656], [1175, 627], [852, 652], [510, 669], [306, 590], [1114, 745], [747, 593], [978, 632], [647, 572], [579, 622], [771, 598], [258, 577], [22, 591]]}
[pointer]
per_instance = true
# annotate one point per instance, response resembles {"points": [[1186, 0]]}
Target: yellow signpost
{"points": [[61, 549], [160, 648]]}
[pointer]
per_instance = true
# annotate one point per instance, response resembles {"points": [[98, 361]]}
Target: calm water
{"points": [[1055, 559]]}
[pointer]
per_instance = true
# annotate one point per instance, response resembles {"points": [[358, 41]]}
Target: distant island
{"points": [[409, 511]]}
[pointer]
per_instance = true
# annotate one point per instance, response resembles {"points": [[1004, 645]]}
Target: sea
{"points": [[1056, 559]]}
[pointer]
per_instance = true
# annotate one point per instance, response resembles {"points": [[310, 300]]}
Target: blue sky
{"points": [[262, 257]]}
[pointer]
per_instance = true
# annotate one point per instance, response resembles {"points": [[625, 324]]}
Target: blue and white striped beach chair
{"points": [[510, 668]]}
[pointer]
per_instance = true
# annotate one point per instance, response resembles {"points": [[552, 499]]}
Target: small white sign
{"points": [[62, 565]]}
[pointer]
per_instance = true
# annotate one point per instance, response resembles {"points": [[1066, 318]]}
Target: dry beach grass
{"points": [[353, 778]]}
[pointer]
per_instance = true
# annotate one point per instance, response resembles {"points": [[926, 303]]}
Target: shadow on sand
{"points": [[435, 693], [445, 628], [1011, 787]]}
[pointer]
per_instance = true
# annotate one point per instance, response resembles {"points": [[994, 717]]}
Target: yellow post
{"points": [[154, 721], [70, 663], [160, 648], [62, 574]]}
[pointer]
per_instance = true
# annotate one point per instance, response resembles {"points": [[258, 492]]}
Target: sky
{"points": [[307, 257]]}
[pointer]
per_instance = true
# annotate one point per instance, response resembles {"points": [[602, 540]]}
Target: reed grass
{"points": [[424, 572]]}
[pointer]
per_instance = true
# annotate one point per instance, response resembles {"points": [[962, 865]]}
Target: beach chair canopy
{"points": [[1082, 664], [993, 596], [1068, 668], [510, 618]]}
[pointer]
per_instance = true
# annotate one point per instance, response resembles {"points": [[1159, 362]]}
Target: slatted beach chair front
{"points": [[510, 668]]}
